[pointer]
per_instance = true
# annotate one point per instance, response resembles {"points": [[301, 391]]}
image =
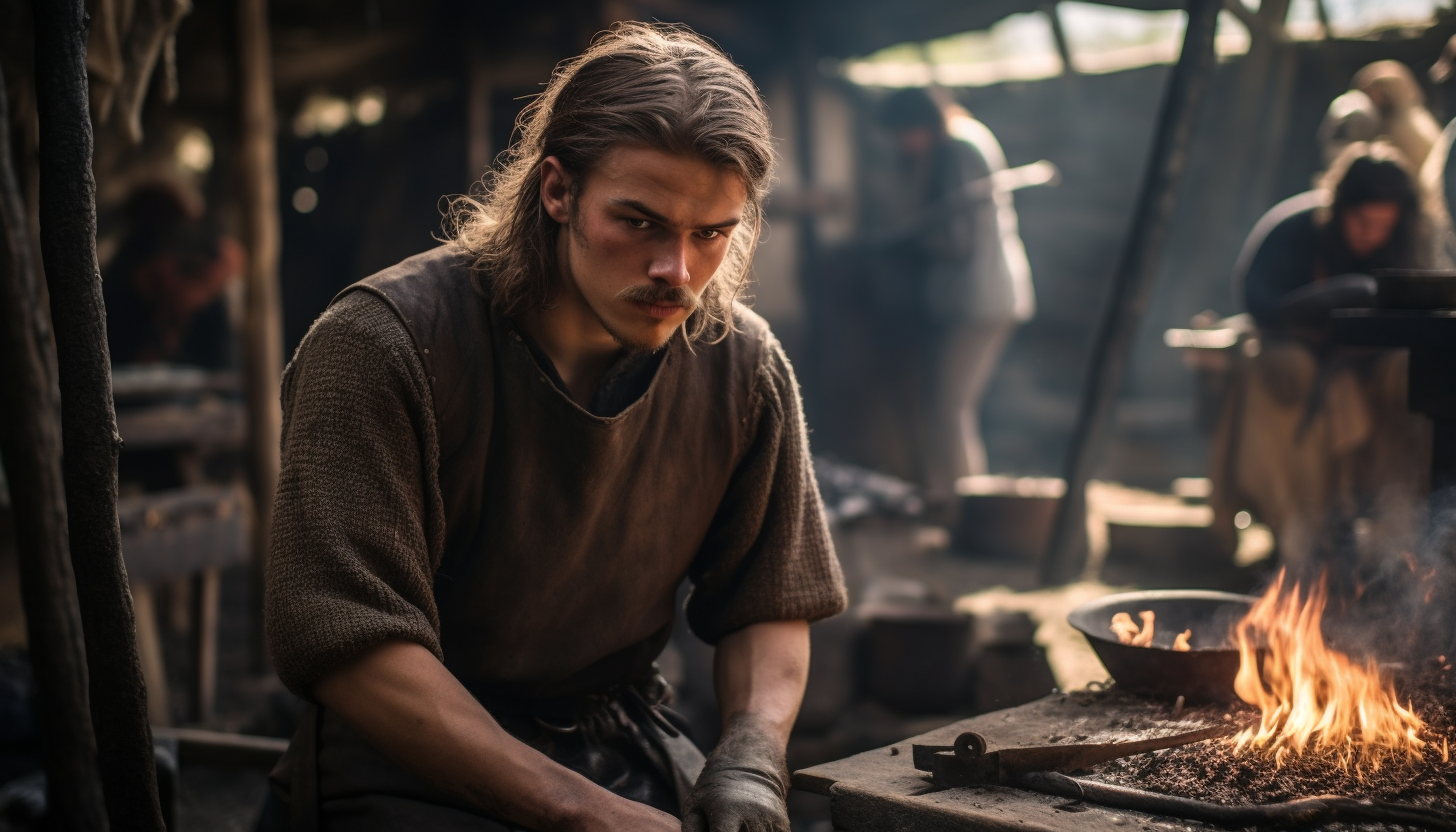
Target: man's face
{"points": [[643, 237], [1367, 226]]}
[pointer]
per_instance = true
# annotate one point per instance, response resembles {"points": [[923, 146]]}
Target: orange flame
{"points": [[1314, 699], [1130, 633]]}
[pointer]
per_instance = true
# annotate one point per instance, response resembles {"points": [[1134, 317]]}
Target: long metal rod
{"points": [[1132, 284], [1304, 812], [88, 420], [30, 445]]}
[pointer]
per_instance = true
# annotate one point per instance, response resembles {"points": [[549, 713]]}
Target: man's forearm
{"points": [[406, 704], [760, 672]]}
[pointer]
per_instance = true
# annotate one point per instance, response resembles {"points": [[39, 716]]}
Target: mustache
{"points": [[673, 295]]}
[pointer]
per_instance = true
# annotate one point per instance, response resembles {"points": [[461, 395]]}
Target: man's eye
{"points": [[710, 234], [638, 223]]}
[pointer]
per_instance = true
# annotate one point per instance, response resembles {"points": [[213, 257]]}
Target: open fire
{"points": [[1317, 700], [1141, 635]]}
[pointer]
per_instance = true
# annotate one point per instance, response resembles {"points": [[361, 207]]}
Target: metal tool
{"points": [[969, 763]]}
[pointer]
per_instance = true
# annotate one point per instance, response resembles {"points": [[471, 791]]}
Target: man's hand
{"points": [[407, 705], [743, 785], [760, 673]]}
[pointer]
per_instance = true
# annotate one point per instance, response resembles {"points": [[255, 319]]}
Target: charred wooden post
{"points": [[1059, 36], [262, 318], [1132, 283], [88, 420], [30, 444]]}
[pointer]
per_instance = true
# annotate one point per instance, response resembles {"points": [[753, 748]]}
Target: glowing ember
{"points": [[1130, 633], [1314, 699]]}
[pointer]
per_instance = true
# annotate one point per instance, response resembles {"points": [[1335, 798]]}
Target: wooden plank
{"points": [[262, 314], [212, 423], [854, 808], [220, 749], [161, 381], [204, 694], [881, 791], [183, 532], [149, 651]]}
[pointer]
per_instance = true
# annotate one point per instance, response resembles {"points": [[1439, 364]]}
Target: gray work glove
{"points": [[743, 785]]}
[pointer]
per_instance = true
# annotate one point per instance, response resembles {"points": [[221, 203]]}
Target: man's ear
{"points": [[555, 190]]}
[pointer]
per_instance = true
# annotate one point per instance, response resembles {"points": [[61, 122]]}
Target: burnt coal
{"points": [[1213, 772]]}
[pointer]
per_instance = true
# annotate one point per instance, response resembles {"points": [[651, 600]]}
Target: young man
{"points": [[502, 457]]}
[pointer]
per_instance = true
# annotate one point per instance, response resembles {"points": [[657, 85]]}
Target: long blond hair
{"points": [[655, 85]]}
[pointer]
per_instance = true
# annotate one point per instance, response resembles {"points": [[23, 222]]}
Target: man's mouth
{"points": [[658, 301], [658, 310]]}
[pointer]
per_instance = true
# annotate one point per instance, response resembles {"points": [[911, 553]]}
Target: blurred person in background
{"points": [[1351, 117], [1404, 120], [1365, 215], [1438, 175], [166, 286], [953, 271], [1315, 435]]}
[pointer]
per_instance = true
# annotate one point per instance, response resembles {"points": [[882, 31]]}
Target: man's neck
{"points": [[574, 339]]}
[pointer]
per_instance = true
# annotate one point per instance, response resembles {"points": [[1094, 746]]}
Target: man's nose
{"points": [[670, 264]]}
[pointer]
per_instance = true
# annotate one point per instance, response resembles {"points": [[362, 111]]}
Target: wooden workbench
{"points": [[880, 790]]}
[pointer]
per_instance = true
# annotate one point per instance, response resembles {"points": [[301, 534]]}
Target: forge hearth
{"points": [[881, 790], [1208, 771]]}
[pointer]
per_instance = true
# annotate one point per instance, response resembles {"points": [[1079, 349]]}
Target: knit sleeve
{"points": [[357, 522], [768, 555]]}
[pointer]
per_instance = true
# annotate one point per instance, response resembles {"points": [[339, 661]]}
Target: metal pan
{"points": [[1203, 674]]}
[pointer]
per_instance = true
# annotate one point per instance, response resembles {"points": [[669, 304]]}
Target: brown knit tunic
{"points": [[532, 545]]}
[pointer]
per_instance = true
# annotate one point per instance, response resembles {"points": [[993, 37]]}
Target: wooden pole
{"points": [[262, 317], [30, 445], [805, 76], [479, 153], [1059, 36], [1132, 285], [88, 420]]}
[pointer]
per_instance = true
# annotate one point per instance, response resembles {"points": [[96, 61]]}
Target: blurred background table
{"points": [[1430, 335]]}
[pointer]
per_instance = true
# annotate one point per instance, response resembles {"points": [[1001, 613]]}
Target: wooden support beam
{"points": [[1324, 17], [215, 748], [805, 70], [30, 444], [207, 596], [149, 647], [88, 420], [1132, 285], [262, 314], [479, 152], [1059, 36]]}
